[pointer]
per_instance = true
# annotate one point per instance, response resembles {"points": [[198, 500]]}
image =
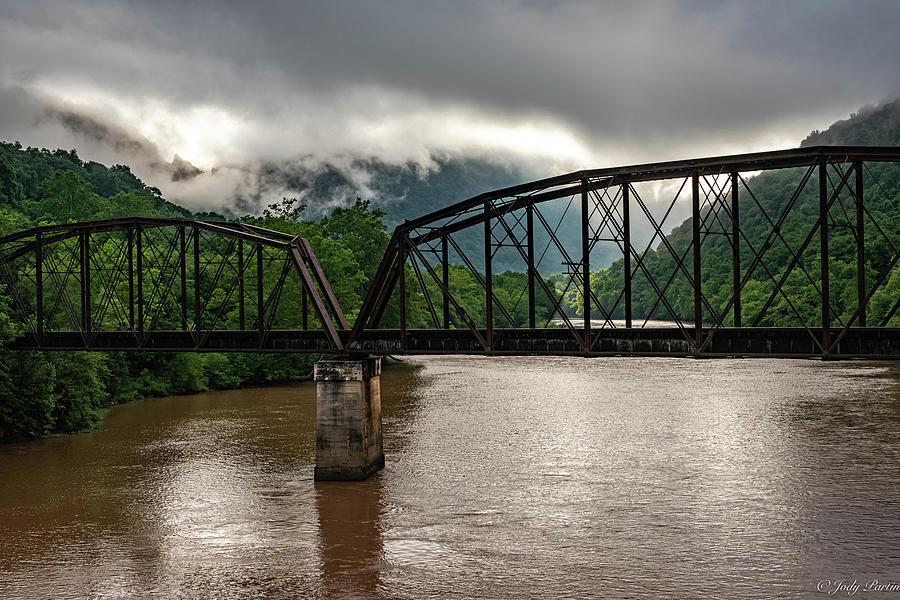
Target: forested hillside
{"points": [[56, 186], [871, 126]]}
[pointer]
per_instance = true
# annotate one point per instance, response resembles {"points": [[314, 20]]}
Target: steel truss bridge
{"points": [[150, 284]]}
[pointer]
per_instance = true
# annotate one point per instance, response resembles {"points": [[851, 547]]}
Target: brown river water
{"points": [[505, 478]]}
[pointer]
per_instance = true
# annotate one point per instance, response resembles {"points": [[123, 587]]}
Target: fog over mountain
{"points": [[231, 105]]}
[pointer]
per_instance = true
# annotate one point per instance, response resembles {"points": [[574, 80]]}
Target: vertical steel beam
{"points": [[241, 321], [260, 318], [84, 255], [445, 279], [860, 246], [140, 279], [130, 237], [401, 265], [626, 250], [695, 211], [39, 285], [182, 263], [735, 250], [87, 284], [823, 252], [197, 280], [81, 276], [488, 278], [586, 264], [529, 224]]}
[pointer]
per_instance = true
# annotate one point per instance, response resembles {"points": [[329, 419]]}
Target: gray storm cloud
{"points": [[233, 86]]}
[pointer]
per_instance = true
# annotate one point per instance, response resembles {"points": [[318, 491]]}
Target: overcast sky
{"points": [[553, 86]]}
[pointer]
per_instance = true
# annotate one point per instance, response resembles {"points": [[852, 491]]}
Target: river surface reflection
{"points": [[505, 478]]}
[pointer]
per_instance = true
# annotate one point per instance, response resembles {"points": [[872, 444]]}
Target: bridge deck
{"points": [[857, 342]]}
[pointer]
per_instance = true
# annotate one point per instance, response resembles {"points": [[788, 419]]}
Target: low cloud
{"points": [[230, 104]]}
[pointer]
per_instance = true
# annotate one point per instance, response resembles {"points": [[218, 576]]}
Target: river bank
{"points": [[98, 414]]}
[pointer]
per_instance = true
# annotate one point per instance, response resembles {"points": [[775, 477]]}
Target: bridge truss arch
{"points": [[157, 284], [636, 210]]}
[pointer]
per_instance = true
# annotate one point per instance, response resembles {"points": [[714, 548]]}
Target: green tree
{"points": [[67, 197]]}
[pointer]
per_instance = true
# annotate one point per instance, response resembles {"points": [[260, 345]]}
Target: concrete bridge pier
{"points": [[348, 419]]}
